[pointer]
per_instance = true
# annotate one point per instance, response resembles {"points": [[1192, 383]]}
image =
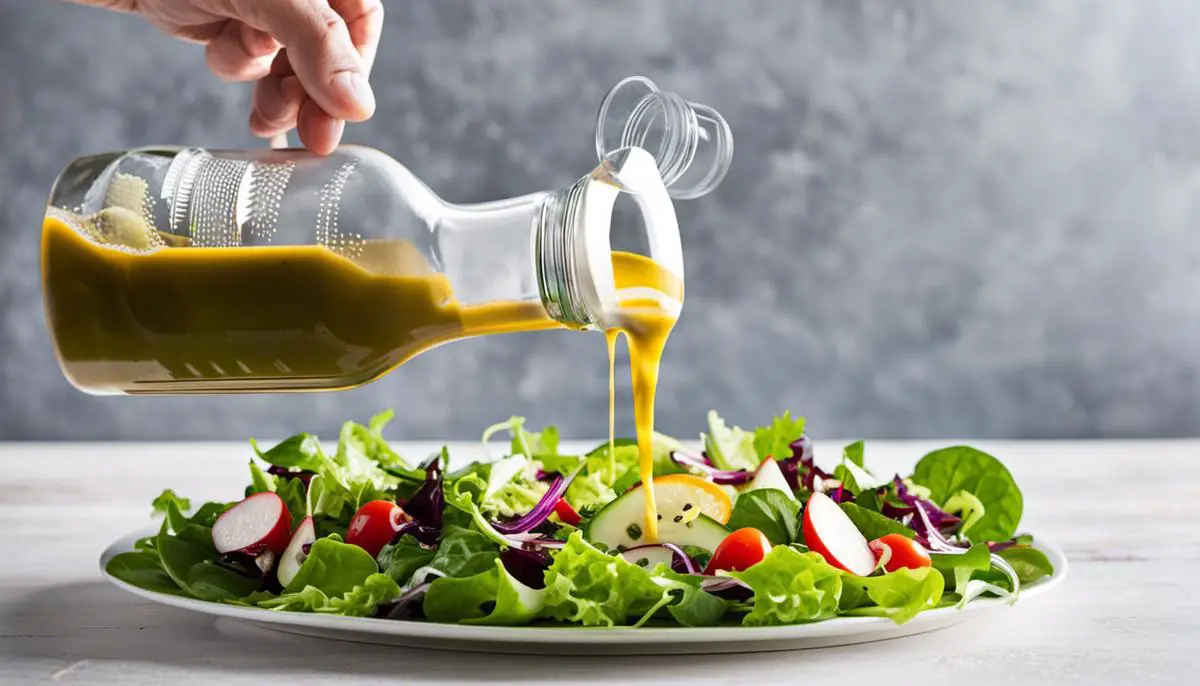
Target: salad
{"points": [[751, 531]]}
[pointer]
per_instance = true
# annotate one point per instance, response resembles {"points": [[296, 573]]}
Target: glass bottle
{"points": [[185, 270]]}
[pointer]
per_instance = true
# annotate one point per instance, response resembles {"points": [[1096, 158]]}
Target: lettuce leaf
{"points": [[729, 448], [791, 587], [491, 597], [774, 440], [592, 588], [360, 601], [691, 606], [333, 567], [899, 595], [400, 559]]}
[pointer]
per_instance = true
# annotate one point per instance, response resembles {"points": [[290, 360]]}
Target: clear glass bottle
{"points": [[216, 271]]}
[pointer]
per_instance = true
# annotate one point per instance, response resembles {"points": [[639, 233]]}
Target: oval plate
{"points": [[589, 641]]}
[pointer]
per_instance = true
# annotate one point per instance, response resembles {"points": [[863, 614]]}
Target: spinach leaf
{"points": [[302, 451], [948, 471], [190, 564], [1029, 563], [143, 569], [873, 525], [771, 512]]}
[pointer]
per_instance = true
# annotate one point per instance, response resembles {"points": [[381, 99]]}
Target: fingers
{"points": [[364, 21], [319, 132], [320, 49], [239, 52], [277, 99]]}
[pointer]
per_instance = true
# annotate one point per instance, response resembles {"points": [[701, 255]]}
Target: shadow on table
{"points": [[97, 622]]}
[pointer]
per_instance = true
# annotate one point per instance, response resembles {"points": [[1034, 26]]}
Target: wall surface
{"points": [[943, 219]]}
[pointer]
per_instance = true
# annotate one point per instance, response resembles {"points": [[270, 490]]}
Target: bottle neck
{"points": [[573, 247], [565, 281], [554, 247]]}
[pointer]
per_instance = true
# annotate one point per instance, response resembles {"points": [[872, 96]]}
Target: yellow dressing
{"points": [[646, 323]]}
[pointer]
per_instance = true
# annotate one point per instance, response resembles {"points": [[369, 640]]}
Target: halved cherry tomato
{"points": [[739, 551], [905, 552], [566, 513], [373, 526]]}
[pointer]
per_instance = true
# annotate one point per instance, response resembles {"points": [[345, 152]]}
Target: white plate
{"points": [[597, 641]]}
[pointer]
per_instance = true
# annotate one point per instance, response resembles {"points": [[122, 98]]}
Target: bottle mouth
{"points": [[574, 240], [692, 144]]}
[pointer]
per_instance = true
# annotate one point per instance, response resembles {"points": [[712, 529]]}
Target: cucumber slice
{"points": [[619, 525]]}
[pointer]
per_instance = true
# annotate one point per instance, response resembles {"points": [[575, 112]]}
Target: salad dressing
{"points": [[649, 298]]}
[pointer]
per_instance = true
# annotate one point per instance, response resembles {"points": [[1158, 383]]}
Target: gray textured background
{"points": [[944, 218]]}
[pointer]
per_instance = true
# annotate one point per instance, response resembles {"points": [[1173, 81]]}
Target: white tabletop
{"points": [[1126, 513]]}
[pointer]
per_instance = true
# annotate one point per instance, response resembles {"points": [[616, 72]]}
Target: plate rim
{"points": [[827, 629]]}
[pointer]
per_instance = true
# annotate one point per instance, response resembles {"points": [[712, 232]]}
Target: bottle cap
{"points": [[691, 143]]}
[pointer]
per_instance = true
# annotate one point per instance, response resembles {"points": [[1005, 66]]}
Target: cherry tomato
{"points": [[373, 526], [905, 552], [740, 550], [566, 513]]}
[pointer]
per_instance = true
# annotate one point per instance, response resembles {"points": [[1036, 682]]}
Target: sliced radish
{"points": [[297, 552], [828, 531], [258, 524]]}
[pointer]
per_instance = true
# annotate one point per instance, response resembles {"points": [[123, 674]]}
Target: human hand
{"points": [[310, 59]]}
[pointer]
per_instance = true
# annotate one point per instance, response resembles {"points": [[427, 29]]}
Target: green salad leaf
{"points": [[769, 511], [492, 597], [774, 440], [791, 587], [531, 444], [592, 588], [729, 447], [168, 496], [400, 559], [191, 565], [855, 477], [1028, 562], [142, 568], [333, 567], [899, 595], [691, 606], [873, 525], [360, 601], [302, 451], [464, 552], [950, 471]]}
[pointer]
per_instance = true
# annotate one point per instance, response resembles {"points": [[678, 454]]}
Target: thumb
{"points": [[320, 51]]}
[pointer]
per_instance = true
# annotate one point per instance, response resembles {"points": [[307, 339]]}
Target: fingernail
{"points": [[353, 87]]}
